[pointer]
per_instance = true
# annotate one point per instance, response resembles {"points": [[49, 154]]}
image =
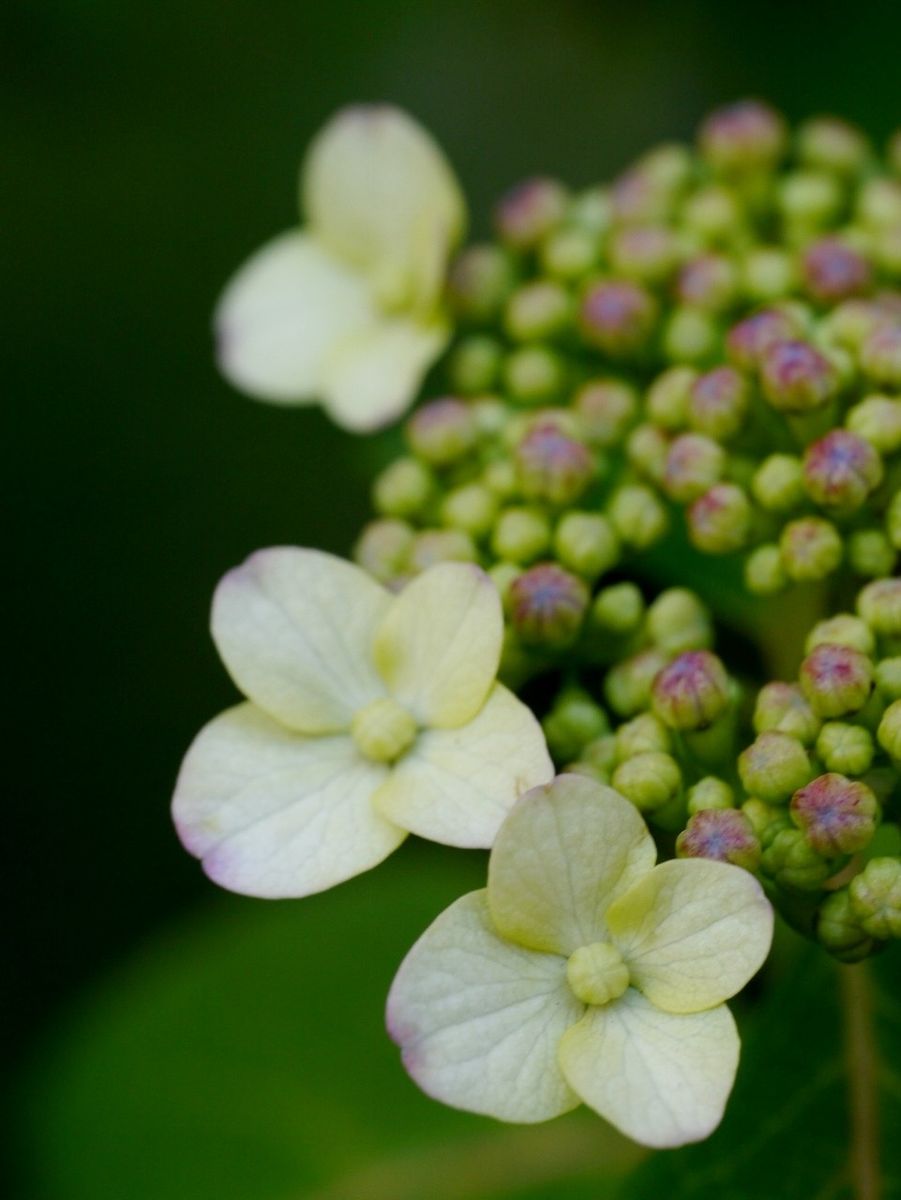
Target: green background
{"points": [[151, 146]]}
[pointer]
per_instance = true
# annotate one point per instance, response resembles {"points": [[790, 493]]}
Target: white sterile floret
{"points": [[584, 973], [369, 716], [346, 310]]}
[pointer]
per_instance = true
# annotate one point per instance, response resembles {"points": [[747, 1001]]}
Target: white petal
{"points": [[562, 855], [457, 785], [479, 1020], [662, 1079], [692, 932], [295, 629], [379, 191], [439, 646], [282, 315], [372, 377], [273, 813]]}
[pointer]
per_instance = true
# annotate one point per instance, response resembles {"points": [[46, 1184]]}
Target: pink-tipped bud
{"points": [[719, 522], [551, 465], [811, 549], [529, 211], [694, 463], [836, 679], [840, 470], [691, 691], [709, 282], [479, 282], [723, 834], [796, 377], [442, 431], [647, 253], [618, 317], [606, 408], [838, 815], [833, 271], [749, 340], [548, 605], [741, 137], [719, 402]]}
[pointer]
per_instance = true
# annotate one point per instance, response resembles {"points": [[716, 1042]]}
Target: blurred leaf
{"points": [[823, 1031], [243, 1057]]}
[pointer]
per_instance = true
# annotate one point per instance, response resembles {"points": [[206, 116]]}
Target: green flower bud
{"points": [[586, 543], [573, 722], [880, 354], [403, 489], [666, 402], [768, 273], [441, 545], [841, 630], [715, 215], [650, 780], [479, 282], [678, 621], [548, 606], [692, 691], [502, 575], [646, 449], [790, 860], [521, 535], [783, 708], [618, 609], [837, 815], [710, 793], [475, 365], [836, 679], [832, 145], [876, 898], [851, 322], [537, 310], [471, 508], [627, 686], [644, 734], [765, 819], [442, 431], [809, 199], [591, 210], [839, 930], [871, 554], [841, 470], [601, 753], [529, 211], [778, 483], [764, 573], [709, 282], [618, 317], [742, 137], [749, 341], [879, 603], [605, 409], [847, 749], [796, 377], [718, 403], [500, 479], [646, 253], [383, 547], [878, 420], [811, 549], [694, 463], [719, 522], [534, 374], [690, 335], [833, 271], [569, 253], [551, 465], [889, 732], [879, 203], [774, 766], [888, 678], [638, 516], [724, 834]]}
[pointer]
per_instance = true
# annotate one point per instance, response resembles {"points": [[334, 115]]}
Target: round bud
{"points": [[383, 731], [637, 198], [836, 679], [537, 310], [499, 477], [691, 691], [808, 200], [778, 483], [441, 545], [646, 449], [880, 354], [666, 401], [750, 339], [573, 722], [642, 735], [548, 606], [888, 678], [638, 516], [646, 253], [811, 549], [678, 621], [746, 136], [764, 574], [879, 203], [383, 547], [765, 819], [839, 930], [690, 335], [889, 732], [773, 766], [832, 145], [551, 465], [871, 554], [709, 282], [876, 898], [479, 281], [841, 470], [618, 317], [534, 374], [710, 793], [586, 543], [502, 575], [837, 815], [833, 271], [590, 210], [442, 431], [783, 708], [718, 403], [714, 215], [847, 749], [521, 535], [791, 861], [841, 630], [878, 420], [768, 273], [529, 211], [475, 365], [724, 834], [618, 609], [605, 408], [796, 377], [719, 522], [694, 463], [627, 686], [601, 753], [569, 252], [650, 780], [403, 489], [879, 604], [597, 974], [471, 508]]}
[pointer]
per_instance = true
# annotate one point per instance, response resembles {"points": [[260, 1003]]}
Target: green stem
{"points": [[861, 1058]]}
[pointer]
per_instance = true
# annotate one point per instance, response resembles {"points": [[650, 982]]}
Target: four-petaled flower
{"points": [[346, 311], [584, 973], [369, 716]]}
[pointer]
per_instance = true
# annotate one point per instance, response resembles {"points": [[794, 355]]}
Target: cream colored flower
{"points": [[346, 310], [368, 716], [584, 973]]}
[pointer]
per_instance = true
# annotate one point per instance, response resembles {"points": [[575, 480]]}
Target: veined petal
{"points": [[479, 1020], [294, 628], [374, 186], [692, 932], [560, 858], [373, 376], [439, 646], [273, 813], [282, 315], [456, 785], [662, 1079]]}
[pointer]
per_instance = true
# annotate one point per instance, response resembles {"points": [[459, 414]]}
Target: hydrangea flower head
{"points": [[368, 716], [583, 972], [346, 310]]}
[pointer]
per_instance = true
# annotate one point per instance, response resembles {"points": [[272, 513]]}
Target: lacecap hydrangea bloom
{"points": [[346, 310], [584, 973], [368, 716]]}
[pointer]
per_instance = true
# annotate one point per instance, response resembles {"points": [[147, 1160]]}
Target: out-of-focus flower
{"points": [[346, 311], [584, 973], [368, 716]]}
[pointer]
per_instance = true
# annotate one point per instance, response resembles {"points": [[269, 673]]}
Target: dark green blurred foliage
{"points": [[148, 148]]}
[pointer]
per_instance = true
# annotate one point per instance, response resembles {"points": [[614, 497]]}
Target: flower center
{"points": [[597, 973], [383, 730]]}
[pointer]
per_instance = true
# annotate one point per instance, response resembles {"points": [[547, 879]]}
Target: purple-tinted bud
{"points": [[647, 253], [796, 377], [529, 211], [694, 463], [548, 605], [783, 708], [719, 522], [811, 549], [840, 470], [479, 282], [709, 282], [773, 766], [749, 340], [836, 679], [719, 402], [442, 431], [834, 271], [879, 604], [605, 408], [838, 815], [723, 834], [741, 137], [551, 465], [618, 317], [691, 691], [880, 354]]}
